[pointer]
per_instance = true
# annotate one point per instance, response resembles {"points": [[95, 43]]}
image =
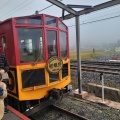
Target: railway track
{"points": [[57, 113], [72, 115], [105, 63], [100, 67]]}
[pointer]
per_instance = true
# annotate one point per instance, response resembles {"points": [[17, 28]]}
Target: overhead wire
{"points": [[47, 7], [97, 20], [104, 15], [70, 19], [5, 4], [14, 8], [24, 6], [19, 8], [44, 9], [28, 4], [101, 16], [106, 10]]}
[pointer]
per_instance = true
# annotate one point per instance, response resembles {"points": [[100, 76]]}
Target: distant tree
{"points": [[118, 43]]}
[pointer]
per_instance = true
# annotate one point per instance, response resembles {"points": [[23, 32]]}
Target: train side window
{"points": [[51, 41], [30, 44], [63, 44], [4, 44]]}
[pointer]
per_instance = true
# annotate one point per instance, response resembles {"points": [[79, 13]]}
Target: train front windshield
{"points": [[30, 44], [30, 39]]}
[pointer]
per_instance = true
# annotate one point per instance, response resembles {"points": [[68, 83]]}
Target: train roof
{"points": [[28, 16]]}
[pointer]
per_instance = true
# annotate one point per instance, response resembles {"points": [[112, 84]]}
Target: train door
{"points": [[2, 43]]}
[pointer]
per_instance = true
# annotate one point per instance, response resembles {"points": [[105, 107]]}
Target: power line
{"points": [[5, 4], [23, 6], [105, 15], [14, 8], [100, 16], [96, 20], [47, 7]]}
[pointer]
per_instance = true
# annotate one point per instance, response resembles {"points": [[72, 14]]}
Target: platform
{"points": [[14, 115], [109, 103]]}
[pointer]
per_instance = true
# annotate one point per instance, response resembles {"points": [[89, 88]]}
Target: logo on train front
{"points": [[54, 65]]}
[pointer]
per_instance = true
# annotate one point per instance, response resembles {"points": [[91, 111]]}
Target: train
{"points": [[37, 49]]}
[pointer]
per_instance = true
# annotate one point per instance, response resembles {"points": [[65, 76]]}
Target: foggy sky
{"points": [[91, 34]]}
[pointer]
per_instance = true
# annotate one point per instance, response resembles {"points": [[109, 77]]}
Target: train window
{"points": [[63, 44], [32, 20], [4, 44], [50, 21], [61, 25], [53, 77], [51, 40], [30, 45], [32, 78], [65, 70]]}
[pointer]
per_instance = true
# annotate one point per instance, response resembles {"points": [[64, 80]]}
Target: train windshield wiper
{"points": [[35, 62], [39, 55]]}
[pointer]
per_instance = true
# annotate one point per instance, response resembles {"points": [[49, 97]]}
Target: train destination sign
{"points": [[54, 65]]}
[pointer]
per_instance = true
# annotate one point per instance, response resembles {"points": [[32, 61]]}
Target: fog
{"points": [[97, 29]]}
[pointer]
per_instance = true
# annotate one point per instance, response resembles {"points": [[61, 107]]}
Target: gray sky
{"points": [[91, 33]]}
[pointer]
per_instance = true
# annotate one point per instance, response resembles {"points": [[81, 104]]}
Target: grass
{"points": [[90, 55]]}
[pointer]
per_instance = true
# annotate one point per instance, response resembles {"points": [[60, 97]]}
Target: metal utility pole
{"points": [[78, 54]]}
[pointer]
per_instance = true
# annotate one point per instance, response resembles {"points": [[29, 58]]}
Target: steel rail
{"points": [[62, 110], [98, 70], [98, 67], [61, 114], [98, 63]]}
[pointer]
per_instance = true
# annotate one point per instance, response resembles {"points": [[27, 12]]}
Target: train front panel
{"points": [[40, 61]]}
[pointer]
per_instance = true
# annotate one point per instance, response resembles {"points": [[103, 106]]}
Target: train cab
{"points": [[37, 49]]}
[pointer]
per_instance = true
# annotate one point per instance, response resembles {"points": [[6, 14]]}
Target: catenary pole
{"points": [[78, 53]]}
